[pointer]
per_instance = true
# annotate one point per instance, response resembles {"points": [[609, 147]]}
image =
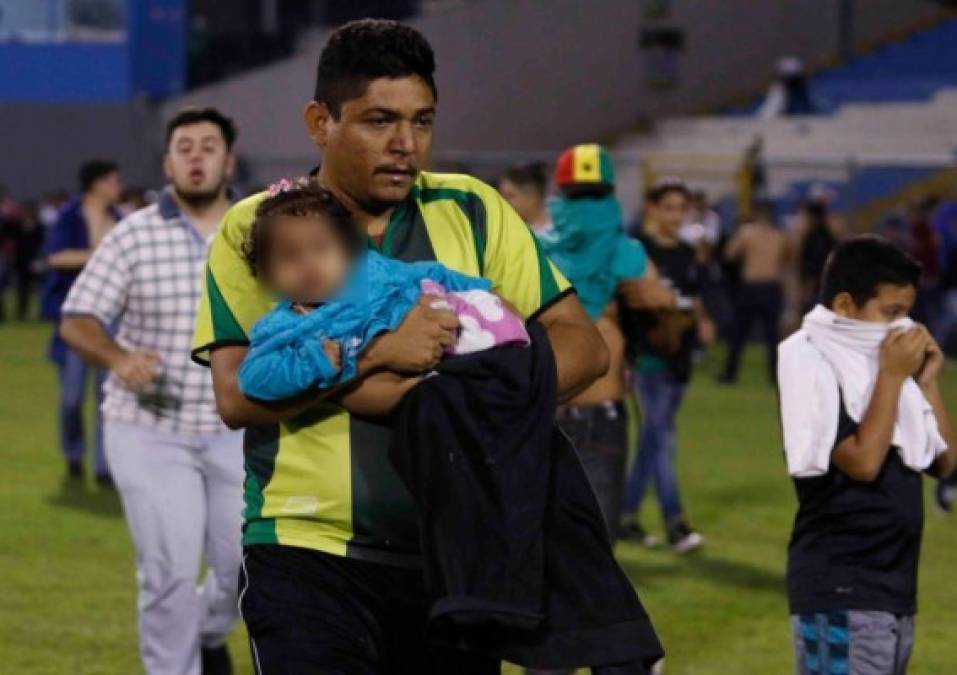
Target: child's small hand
{"points": [[333, 352]]}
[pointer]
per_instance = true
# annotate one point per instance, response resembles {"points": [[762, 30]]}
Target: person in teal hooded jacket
{"points": [[586, 241]]}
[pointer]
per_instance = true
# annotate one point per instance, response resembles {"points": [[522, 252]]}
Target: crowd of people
{"points": [[384, 270]]}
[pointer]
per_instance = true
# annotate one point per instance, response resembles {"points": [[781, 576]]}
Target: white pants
{"points": [[181, 495]]}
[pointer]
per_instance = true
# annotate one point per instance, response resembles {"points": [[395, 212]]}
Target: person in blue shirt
{"points": [[79, 228]]}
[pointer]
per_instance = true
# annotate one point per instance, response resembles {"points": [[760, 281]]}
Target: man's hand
{"points": [[903, 353], [136, 369], [416, 346], [647, 294], [333, 353]]}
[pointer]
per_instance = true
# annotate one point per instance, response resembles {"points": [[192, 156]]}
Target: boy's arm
{"points": [[862, 454]]}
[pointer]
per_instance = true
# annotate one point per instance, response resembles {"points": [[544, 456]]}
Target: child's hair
{"points": [[303, 197], [860, 264]]}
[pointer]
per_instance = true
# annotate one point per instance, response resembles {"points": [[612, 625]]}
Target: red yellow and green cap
{"points": [[586, 168]]}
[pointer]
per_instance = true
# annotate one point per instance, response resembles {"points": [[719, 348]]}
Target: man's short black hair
{"points": [[860, 264], [193, 115], [93, 170], [365, 50], [666, 186]]}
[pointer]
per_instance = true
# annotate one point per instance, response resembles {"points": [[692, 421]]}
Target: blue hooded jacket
{"points": [[286, 357]]}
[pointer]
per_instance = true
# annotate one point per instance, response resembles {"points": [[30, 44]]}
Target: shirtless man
{"points": [[763, 250]]}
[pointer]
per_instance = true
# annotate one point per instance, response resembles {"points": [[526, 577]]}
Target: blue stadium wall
{"points": [[150, 61]]}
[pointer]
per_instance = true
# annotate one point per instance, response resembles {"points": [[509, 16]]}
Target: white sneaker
{"points": [[683, 539]]}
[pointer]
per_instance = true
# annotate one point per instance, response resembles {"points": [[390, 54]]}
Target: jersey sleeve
{"points": [[232, 300], [514, 260]]}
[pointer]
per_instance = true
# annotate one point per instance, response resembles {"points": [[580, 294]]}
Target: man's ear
{"points": [[843, 305], [318, 119], [167, 169]]}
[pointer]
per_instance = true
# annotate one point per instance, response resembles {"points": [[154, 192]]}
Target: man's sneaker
{"points": [[629, 528], [682, 539], [216, 661], [945, 495]]}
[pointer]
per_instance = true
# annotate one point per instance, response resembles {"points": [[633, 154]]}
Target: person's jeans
{"points": [[600, 435], [660, 394], [73, 372]]}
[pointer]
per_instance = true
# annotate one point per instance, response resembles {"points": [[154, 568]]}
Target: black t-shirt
{"points": [[855, 546], [817, 246], [677, 264]]}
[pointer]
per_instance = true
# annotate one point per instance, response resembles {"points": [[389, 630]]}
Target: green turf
{"points": [[67, 603]]}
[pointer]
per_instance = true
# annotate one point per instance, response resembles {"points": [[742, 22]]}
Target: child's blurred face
{"points": [[308, 261], [891, 303]]}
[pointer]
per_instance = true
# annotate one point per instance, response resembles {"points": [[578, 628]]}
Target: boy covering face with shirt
{"points": [[863, 419]]}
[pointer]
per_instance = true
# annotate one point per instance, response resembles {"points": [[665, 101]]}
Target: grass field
{"points": [[68, 606]]}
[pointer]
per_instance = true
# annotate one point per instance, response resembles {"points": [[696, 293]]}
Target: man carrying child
{"points": [[332, 578]]}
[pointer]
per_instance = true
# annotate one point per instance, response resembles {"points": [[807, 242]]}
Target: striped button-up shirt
{"points": [[144, 281]]}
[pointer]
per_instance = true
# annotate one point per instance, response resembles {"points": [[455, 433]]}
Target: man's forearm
{"points": [[239, 411], [87, 336], [581, 357], [377, 395], [69, 259]]}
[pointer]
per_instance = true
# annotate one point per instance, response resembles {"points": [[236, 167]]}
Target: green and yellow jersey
{"points": [[323, 481]]}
